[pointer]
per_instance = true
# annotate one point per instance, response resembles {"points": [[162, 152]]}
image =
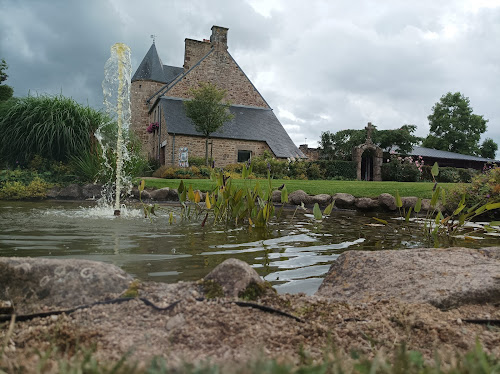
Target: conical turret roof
{"points": [[151, 67]]}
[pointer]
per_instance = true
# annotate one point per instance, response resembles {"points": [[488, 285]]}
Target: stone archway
{"points": [[368, 158]]}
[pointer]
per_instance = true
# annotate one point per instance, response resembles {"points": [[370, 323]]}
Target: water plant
{"points": [[439, 220], [239, 204]]}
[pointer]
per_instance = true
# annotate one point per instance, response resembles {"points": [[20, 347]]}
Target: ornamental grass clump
{"points": [[54, 127]]}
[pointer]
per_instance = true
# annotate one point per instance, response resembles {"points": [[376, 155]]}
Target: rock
{"points": [[299, 196], [365, 203], [173, 195], [276, 196], [387, 201], [426, 205], [409, 202], [160, 194], [322, 199], [53, 193], [37, 284], [144, 195], [234, 276], [442, 277], [92, 191], [72, 192], [343, 200]]}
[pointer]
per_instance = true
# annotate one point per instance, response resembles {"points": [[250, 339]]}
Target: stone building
{"points": [[158, 92]]}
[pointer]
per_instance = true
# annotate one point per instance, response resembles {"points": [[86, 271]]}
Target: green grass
{"points": [[401, 361], [315, 187]]}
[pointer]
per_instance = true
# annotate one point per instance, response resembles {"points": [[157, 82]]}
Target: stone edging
{"points": [[384, 202]]}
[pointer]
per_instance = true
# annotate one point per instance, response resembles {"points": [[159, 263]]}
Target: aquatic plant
{"points": [[239, 204], [437, 220]]}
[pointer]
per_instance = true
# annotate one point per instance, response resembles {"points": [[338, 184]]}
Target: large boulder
{"points": [[344, 200], [160, 194], [38, 284], [92, 191], [366, 203], [71, 192], [322, 199], [387, 201], [299, 196], [444, 278], [234, 276]]}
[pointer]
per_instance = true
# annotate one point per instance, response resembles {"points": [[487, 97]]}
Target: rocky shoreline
{"points": [[437, 301], [384, 202]]}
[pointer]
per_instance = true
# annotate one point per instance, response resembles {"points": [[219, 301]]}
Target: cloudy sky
{"points": [[321, 65]]}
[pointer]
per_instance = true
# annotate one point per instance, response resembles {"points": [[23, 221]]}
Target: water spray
{"points": [[116, 90]]}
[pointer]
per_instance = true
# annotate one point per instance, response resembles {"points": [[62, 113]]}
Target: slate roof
{"points": [[151, 68], [435, 153], [249, 123]]}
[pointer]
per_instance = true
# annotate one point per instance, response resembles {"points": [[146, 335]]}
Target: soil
{"points": [[219, 331]]}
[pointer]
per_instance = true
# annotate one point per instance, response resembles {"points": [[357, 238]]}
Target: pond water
{"points": [[293, 254]]}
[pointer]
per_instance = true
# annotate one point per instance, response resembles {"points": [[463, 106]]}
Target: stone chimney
{"points": [[219, 37], [194, 50]]}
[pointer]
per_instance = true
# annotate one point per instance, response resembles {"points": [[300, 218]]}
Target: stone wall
{"points": [[220, 69], [194, 50], [140, 91], [224, 151]]}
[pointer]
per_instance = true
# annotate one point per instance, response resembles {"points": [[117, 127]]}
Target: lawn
{"points": [[314, 187]]}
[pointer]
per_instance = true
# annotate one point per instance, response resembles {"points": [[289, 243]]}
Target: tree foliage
{"points": [[3, 74], [207, 110], [488, 148], [453, 125], [339, 145], [6, 92]]}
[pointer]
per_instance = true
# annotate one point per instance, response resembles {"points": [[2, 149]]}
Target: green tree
{"points": [[339, 145], [453, 125], [207, 110], [3, 74], [6, 92], [488, 148]]}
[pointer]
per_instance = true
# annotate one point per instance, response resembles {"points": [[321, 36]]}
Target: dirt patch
{"points": [[221, 331]]}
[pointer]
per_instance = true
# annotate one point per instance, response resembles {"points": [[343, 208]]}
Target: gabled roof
{"points": [[151, 68], [435, 153], [249, 123]]}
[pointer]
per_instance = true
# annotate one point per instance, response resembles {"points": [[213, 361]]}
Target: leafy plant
{"points": [[226, 202], [437, 221]]}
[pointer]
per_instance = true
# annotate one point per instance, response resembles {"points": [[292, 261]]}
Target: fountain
{"points": [[116, 90]]}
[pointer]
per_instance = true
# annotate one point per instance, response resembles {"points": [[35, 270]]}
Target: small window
{"points": [[244, 156]]}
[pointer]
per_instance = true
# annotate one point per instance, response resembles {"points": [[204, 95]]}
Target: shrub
{"points": [[466, 175], [315, 172], [401, 169], [197, 161], [6, 92], [297, 169], [484, 188], [15, 190], [448, 175], [338, 169], [235, 168]]}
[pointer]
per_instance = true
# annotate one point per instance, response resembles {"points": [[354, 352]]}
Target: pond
{"points": [[293, 254]]}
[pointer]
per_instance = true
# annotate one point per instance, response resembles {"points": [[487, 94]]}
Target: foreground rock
{"points": [[233, 276], [198, 330], [445, 278], [37, 284]]}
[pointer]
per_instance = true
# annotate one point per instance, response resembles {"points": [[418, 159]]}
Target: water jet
{"points": [[116, 90]]}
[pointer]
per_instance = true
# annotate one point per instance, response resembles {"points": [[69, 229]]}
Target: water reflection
{"points": [[294, 256]]}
